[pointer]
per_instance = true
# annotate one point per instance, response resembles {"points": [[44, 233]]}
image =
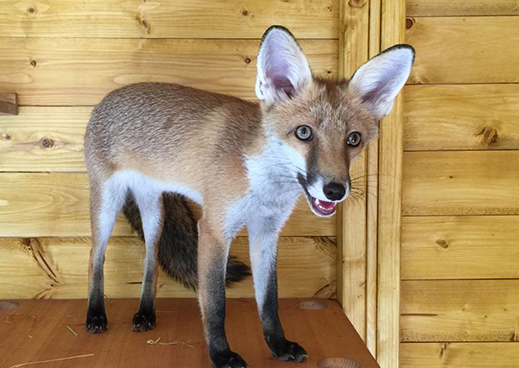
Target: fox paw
{"points": [[288, 351], [144, 321], [96, 324], [227, 359]]}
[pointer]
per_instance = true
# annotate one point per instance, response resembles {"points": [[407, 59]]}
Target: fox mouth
{"points": [[318, 207]]}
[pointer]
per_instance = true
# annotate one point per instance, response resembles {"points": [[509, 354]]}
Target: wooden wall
{"points": [[460, 226], [61, 58]]}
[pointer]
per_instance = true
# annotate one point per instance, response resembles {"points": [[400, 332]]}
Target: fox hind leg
{"points": [[106, 200], [151, 208]]}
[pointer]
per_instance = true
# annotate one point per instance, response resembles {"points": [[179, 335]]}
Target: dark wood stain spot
{"points": [[312, 305], [338, 363], [244, 12], [8, 305]]}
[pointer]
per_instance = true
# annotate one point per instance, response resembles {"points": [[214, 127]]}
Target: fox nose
{"points": [[334, 191]]}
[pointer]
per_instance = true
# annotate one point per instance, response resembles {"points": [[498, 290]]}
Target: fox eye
{"points": [[304, 132], [353, 139]]}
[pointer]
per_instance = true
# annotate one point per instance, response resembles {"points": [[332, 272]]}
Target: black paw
{"points": [[288, 351], [144, 321], [96, 323], [227, 359]]}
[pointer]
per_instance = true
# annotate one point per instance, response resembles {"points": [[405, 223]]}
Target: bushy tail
{"points": [[178, 246]]}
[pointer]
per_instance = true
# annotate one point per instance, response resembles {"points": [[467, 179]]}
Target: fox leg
{"points": [[263, 240], [212, 263], [106, 200], [151, 208]]}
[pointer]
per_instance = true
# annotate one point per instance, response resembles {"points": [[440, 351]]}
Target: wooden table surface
{"points": [[40, 330]]}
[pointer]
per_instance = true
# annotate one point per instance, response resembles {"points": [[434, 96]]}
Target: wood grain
{"points": [[464, 50], [44, 139], [79, 71], [390, 203], [351, 219], [461, 117], [460, 310], [375, 8], [56, 204], [167, 18], [460, 247], [461, 183], [8, 104], [57, 268], [437, 8], [38, 331], [459, 355]]}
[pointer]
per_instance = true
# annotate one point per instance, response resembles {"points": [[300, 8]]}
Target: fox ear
{"points": [[282, 67], [380, 79]]}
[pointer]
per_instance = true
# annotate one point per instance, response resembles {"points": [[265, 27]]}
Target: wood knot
{"points": [[357, 3], [247, 60], [442, 243], [244, 12], [31, 10], [47, 142], [488, 135], [144, 23], [6, 137], [34, 63], [409, 22]]}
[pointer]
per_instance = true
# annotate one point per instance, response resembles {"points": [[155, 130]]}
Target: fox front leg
{"points": [[263, 240], [212, 263]]}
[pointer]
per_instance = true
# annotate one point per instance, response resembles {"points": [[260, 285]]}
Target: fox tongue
{"points": [[325, 205]]}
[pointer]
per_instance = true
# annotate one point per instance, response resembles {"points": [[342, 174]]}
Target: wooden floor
{"points": [[44, 330]]}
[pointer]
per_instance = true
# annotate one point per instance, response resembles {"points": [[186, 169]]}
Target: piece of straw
{"points": [[51, 360], [181, 343], [71, 330]]}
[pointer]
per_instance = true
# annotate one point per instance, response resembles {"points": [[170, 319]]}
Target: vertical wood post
{"points": [[390, 203], [351, 231]]}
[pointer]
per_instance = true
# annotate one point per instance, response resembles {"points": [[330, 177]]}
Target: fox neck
{"points": [[273, 172]]}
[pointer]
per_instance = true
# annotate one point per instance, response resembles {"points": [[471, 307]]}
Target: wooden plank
{"points": [[8, 104], [460, 310], [167, 19], [351, 219], [461, 117], [56, 204], [58, 268], [324, 333], [79, 71], [464, 50], [372, 201], [390, 203], [459, 355], [445, 8], [460, 247], [461, 183], [44, 139]]}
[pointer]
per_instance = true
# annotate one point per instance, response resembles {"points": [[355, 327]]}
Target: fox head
{"points": [[323, 125]]}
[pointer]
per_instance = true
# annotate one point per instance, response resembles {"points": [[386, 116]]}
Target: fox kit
{"points": [[149, 146]]}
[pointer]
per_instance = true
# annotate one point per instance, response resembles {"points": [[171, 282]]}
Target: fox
{"points": [[151, 147]]}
